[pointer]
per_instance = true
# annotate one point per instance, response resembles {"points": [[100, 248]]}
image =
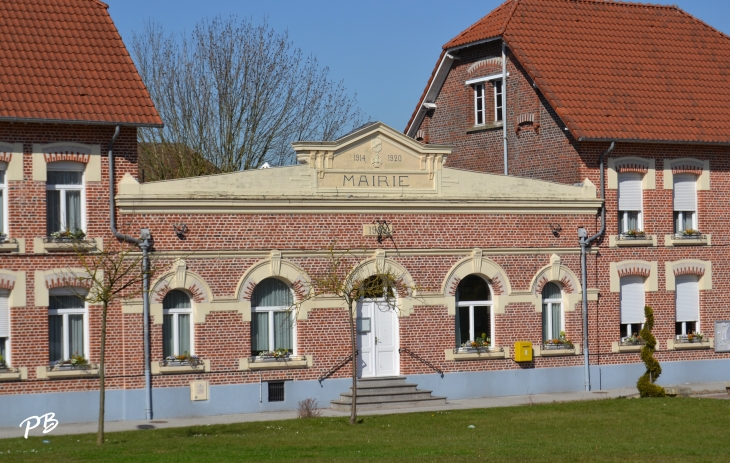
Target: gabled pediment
{"points": [[374, 158]]}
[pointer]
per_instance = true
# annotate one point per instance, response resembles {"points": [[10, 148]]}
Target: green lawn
{"points": [[625, 430]]}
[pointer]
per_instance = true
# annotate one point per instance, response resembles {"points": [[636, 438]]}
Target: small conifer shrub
{"points": [[646, 385]]}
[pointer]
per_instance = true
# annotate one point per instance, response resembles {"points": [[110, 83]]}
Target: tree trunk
{"points": [[100, 437], [353, 345]]}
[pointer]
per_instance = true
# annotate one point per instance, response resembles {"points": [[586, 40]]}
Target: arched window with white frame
{"points": [[68, 325], [685, 203], [552, 312], [687, 301], [632, 305], [177, 326], [65, 198], [272, 317], [474, 313]]}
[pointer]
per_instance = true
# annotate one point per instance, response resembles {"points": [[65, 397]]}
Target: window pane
{"points": [[687, 220], [176, 300], [632, 218], [57, 177], [551, 291], [183, 325], [66, 302], [473, 288], [168, 348], [498, 97], [482, 322], [53, 211], [545, 322], [271, 293], [2, 176], [73, 210], [259, 332], [3, 352], [462, 325], [55, 337], [555, 319], [283, 331], [76, 335]]}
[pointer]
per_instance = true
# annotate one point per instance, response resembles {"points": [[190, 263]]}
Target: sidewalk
{"points": [[713, 390]]}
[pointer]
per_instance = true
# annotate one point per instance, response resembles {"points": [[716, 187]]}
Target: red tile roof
{"points": [[63, 60], [616, 70]]}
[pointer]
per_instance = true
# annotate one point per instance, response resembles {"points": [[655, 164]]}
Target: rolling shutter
{"points": [[632, 299], [688, 298], [4, 316], [629, 191], [685, 192]]}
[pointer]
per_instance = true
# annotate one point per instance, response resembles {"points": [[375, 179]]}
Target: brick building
{"points": [[494, 257], [541, 89]]}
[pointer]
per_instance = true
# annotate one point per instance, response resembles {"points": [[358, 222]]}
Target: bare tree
{"points": [[111, 275], [234, 95], [343, 278]]}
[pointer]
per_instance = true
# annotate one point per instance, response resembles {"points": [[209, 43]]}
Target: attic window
{"points": [[486, 89]]}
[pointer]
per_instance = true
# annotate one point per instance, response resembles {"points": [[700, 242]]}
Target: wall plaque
{"points": [[722, 336]]}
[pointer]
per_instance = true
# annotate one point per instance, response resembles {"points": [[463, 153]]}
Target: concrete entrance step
{"points": [[387, 392]]}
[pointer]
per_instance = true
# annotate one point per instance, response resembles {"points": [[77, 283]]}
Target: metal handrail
{"points": [[415, 356], [332, 370]]}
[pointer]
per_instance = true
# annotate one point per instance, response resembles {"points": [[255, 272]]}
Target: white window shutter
{"points": [[629, 191], [632, 299], [685, 192], [4, 317], [687, 298]]}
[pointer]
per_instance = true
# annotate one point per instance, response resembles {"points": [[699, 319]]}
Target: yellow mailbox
{"points": [[523, 351]]}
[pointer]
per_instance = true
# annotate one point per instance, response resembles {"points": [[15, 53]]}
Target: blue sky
{"points": [[383, 50]]}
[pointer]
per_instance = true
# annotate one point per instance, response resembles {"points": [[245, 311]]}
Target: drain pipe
{"points": [[144, 243], [584, 243]]}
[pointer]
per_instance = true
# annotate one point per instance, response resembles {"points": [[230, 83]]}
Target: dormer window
{"points": [[487, 99]]}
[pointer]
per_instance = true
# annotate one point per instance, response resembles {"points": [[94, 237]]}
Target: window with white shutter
{"points": [[629, 202], [687, 296], [4, 326], [632, 304], [685, 203]]}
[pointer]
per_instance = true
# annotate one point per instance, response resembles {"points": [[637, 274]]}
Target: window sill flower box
{"points": [[64, 371], [68, 244], [557, 350], [629, 344], [471, 353], [275, 363], [688, 239], [635, 239], [180, 365], [8, 245], [693, 343], [13, 374]]}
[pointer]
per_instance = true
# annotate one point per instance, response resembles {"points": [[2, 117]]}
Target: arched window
{"points": [[687, 296], [552, 316], [177, 327], [473, 312], [272, 324], [630, 202], [67, 325], [65, 208], [632, 305], [685, 203]]}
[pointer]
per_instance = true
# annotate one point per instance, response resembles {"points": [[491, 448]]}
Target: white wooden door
{"points": [[377, 340]]}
